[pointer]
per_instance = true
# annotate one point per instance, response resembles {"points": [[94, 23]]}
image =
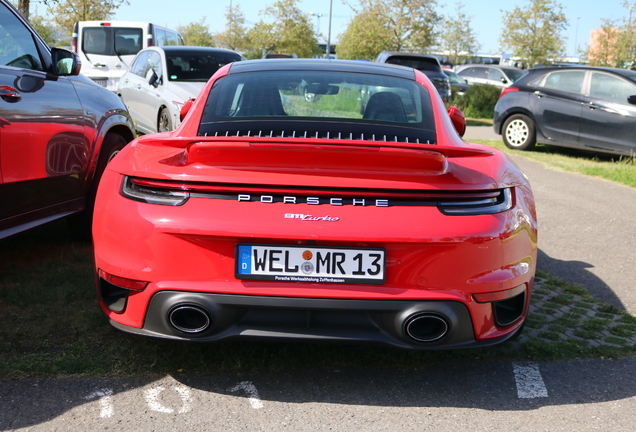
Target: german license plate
{"points": [[101, 82], [310, 264]]}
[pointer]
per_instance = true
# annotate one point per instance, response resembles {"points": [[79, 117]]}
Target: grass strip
{"points": [[619, 169]]}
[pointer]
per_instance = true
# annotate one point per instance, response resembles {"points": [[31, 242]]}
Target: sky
{"points": [[486, 15]]}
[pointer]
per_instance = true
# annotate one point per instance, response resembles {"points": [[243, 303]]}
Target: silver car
{"points": [[499, 76], [161, 79]]}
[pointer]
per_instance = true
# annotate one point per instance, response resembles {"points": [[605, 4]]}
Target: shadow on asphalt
{"points": [[577, 272], [476, 385]]}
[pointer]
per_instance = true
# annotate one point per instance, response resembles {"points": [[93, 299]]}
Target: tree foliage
{"points": [[65, 13], [457, 36], [44, 28], [615, 44], [390, 25], [602, 52], [288, 32], [534, 33], [235, 33], [364, 38], [196, 33]]}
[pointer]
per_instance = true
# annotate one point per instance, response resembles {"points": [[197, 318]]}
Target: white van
{"points": [[107, 48]]}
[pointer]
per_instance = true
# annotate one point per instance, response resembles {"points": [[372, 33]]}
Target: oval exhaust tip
{"points": [[426, 327], [189, 318]]}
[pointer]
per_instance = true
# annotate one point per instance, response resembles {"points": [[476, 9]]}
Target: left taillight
{"points": [[507, 90], [491, 205], [134, 190]]}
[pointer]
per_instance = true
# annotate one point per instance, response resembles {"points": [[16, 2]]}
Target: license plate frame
{"points": [[361, 265]]}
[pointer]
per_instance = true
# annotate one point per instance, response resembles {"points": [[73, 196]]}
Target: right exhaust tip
{"points": [[189, 318], [426, 327]]}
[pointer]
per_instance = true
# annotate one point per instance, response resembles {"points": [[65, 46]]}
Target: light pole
{"points": [[329, 31], [317, 15]]}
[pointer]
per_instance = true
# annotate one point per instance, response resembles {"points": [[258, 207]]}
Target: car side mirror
{"points": [[631, 99], [65, 62], [185, 108], [503, 80], [458, 120], [153, 79]]}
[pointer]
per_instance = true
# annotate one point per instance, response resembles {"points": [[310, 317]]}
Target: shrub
{"points": [[478, 101]]}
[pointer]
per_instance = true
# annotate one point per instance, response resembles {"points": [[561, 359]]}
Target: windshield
{"points": [[320, 105], [196, 65]]}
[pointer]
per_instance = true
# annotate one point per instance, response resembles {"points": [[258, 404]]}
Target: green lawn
{"points": [[609, 167]]}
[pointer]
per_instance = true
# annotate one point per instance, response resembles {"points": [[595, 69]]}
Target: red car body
{"points": [[421, 245]]}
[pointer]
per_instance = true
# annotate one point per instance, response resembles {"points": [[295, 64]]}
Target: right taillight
{"points": [[507, 90]]}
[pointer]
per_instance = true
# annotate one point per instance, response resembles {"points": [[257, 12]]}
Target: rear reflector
{"points": [[129, 284], [499, 295]]}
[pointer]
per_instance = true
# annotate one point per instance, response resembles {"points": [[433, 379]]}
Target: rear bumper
{"points": [[382, 322]]}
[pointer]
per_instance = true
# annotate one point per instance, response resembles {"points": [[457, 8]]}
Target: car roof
{"points": [[322, 65], [624, 72], [183, 48]]}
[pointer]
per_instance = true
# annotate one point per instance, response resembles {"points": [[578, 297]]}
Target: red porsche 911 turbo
{"points": [[316, 200]]}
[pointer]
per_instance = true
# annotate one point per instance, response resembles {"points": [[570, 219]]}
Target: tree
{"points": [[66, 13], [196, 34], [23, 8], [625, 47], [364, 38], [534, 33], [44, 28], [290, 32], [614, 45], [602, 47], [390, 25], [235, 33], [457, 36]]}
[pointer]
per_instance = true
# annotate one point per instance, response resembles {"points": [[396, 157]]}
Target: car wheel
{"points": [[165, 123], [519, 132], [81, 224]]}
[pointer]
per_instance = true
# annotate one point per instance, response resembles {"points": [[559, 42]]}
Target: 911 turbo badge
{"points": [[307, 217], [314, 200]]}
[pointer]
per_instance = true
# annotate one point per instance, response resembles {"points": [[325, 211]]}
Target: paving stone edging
{"points": [[557, 315]]}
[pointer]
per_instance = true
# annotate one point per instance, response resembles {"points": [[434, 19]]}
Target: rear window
{"points": [[196, 66], [111, 41], [419, 63], [514, 74], [319, 105]]}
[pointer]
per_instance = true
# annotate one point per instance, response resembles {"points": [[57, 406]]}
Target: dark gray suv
{"points": [[427, 64]]}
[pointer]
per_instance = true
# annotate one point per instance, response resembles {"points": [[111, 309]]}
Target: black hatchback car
{"points": [[427, 64], [582, 107]]}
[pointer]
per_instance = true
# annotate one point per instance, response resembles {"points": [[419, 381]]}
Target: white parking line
{"points": [[530, 384], [252, 393], [105, 401]]}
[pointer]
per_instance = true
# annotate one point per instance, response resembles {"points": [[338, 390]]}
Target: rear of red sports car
{"points": [[316, 200]]}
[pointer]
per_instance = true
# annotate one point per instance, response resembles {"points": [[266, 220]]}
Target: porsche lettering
{"points": [[336, 201]]}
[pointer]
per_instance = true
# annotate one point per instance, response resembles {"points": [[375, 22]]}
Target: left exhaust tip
{"points": [[189, 318], [426, 327]]}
